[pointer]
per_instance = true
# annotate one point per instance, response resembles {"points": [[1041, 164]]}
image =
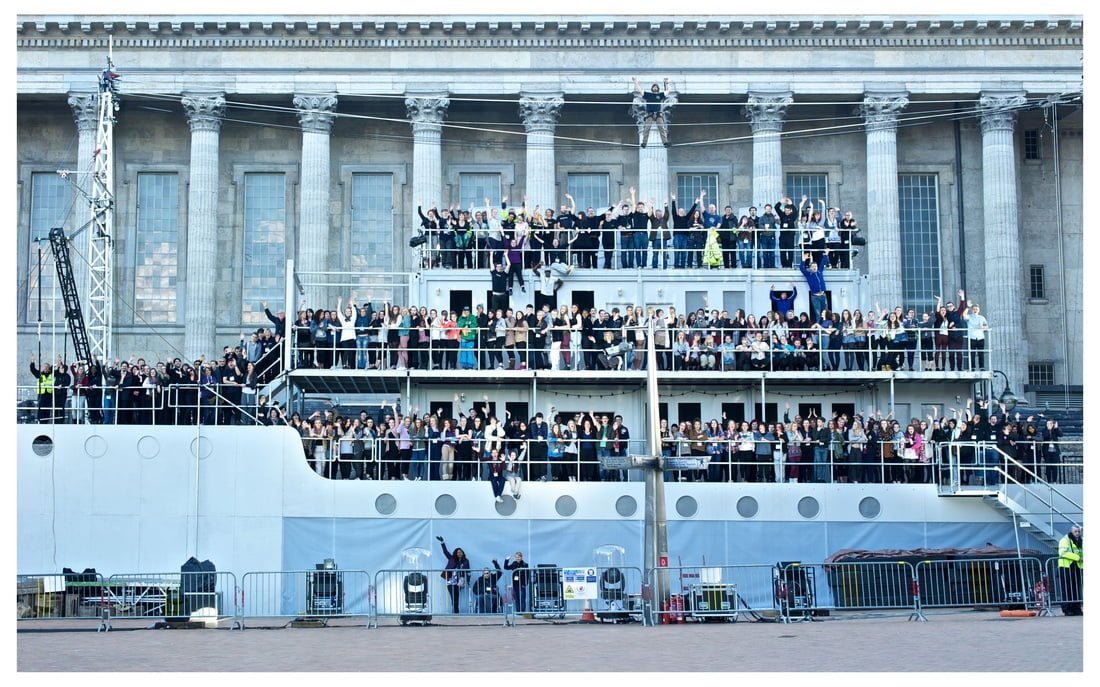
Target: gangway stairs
{"points": [[1045, 510]]}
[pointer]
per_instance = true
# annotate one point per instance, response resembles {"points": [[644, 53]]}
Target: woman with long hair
{"points": [[456, 574], [449, 440], [859, 340], [912, 446], [794, 450], [570, 450], [857, 444], [587, 440], [718, 470]]}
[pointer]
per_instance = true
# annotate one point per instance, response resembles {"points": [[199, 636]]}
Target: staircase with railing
{"points": [[1046, 509]]}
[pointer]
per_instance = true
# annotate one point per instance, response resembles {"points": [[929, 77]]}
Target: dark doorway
{"points": [[768, 413], [732, 411], [461, 299], [689, 412], [585, 300]]}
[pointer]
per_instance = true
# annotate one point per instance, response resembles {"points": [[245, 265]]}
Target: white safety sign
{"points": [[578, 583]]}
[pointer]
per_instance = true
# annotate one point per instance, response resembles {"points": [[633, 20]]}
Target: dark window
{"points": [[434, 407], [517, 410], [769, 413], [848, 409], [1038, 283], [1040, 374], [733, 411], [460, 299], [689, 412], [805, 408], [584, 300], [1033, 145], [662, 410]]}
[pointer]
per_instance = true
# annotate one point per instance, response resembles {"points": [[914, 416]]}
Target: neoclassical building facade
{"points": [[244, 141]]}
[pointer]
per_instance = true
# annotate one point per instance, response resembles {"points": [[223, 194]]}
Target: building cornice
{"points": [[551, 32]]}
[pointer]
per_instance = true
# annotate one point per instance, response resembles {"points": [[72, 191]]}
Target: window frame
{"points": [[232, 314], [907, 243], [180, 246]]}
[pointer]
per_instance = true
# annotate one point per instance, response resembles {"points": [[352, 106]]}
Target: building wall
{"points": [[720, 62]]}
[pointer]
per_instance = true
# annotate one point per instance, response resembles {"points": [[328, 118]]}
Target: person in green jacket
{"points": [[467, 337]]}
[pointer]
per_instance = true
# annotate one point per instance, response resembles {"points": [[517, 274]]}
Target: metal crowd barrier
{"points": [[59, 595], [311, 595], [205, 596], [1060, 585], [418, 596], [709, 593], [851, 586], [1005, 583]]}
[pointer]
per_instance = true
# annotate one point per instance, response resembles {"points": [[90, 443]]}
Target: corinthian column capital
{"points": [[767, 110], [999, 110], [540, 112], [204, 110], [85, 109], [880, 110], [316, 111], [427, 111]]}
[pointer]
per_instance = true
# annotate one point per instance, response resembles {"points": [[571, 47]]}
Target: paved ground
{"points": [[969, 641]]}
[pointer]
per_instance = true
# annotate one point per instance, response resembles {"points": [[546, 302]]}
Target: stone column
{"points": [[766, 110], [426, 112], [653, 159], [540, 112], [86, 112], [1007, 351], [204, 114], [315, 253], [883, 228]]}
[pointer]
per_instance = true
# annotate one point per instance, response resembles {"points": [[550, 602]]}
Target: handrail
{"points": [[1052, 509], [1005, 461], [544, 347]]}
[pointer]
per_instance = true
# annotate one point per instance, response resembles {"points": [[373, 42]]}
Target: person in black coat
{"points": [[456, 573], [1051, 451], [520, 578], [486, 592]]}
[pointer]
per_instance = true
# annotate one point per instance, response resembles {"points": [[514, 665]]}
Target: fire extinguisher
{"points": [[665, 617], [678, 608]]}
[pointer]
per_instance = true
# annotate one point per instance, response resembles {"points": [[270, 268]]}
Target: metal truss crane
{"points": [[101, 198]]}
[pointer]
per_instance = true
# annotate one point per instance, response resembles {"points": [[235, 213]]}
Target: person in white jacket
{"points": [[346, 342]]}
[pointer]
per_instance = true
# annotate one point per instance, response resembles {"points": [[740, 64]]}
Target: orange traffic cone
{"points": [[588, 616]]}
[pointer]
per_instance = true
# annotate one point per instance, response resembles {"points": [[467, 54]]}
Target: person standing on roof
{"points": [[815, 279]]}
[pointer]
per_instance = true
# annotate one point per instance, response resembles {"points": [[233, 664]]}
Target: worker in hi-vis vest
{"points": [[1071, 563]]}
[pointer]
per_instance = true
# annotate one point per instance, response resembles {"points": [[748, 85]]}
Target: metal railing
{"points": [[59, 595], [785, 591], [174, 404], [1061, 586], [418, 596], [1002, 583], [311, 595], [979, 466], [560, 347], [624, 248], [181, 595], [174, 596]]}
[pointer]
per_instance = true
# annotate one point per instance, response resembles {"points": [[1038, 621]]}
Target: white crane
{"points": [[101, 198]]}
